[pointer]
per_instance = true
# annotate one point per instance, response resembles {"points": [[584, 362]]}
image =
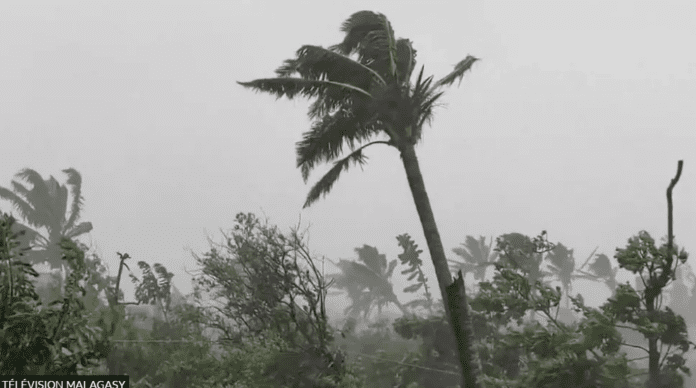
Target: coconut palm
{"points": [[361, 98], [44, 207], [368, 284], [477, 255], [562, 265]]}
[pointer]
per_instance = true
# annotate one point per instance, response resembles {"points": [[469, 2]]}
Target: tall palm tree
{"points": [[44, 207], [368, 283], [363, 97], [477, 255], [562, 265]]}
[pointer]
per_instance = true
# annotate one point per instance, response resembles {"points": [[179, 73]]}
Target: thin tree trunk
{"points": [[444, 277]]}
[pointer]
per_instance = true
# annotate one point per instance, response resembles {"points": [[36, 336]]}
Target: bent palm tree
{"points": [[367, 284], [45, 207], [360, 99]]}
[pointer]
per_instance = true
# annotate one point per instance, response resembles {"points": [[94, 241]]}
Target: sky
{"points": [[572, 122]]}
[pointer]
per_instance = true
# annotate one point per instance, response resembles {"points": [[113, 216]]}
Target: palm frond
{"points": [[40, 194], [424, 97], [40, 197], [318, 63], [458, 73], [59, 204], [371, 36], [331, 101], [489, 252], [360, 277], [324, 185], [327, 181], [473, 250], [562, 258], [391, 46], [81, 228], [390, 270], [75, 183], [601, 266], [324, 141], [35, 213], [356, 28], [476, 248], [406, 60], [422, 86], [34, 178], [427, 108], [30, 236], [291, 87], [24, 209], [372, 258], [464, 253]]}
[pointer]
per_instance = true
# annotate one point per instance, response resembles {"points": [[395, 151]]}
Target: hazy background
{"points": [[572, 122]]}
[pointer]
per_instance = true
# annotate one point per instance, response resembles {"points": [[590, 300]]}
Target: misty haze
{"points": [[261, 194]]}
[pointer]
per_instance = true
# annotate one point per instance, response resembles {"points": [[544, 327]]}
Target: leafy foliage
{"points": [[154, 289], [410, 257], [269, 285], [641, 309], [38, 339]]}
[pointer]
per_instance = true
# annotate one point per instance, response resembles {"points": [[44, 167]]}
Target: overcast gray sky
{"points": [[572, 122]]}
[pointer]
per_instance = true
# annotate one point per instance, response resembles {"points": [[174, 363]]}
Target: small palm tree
{"points": [[363, 97], [477, 255], [45, 208], [601, 269], [368, 284]]}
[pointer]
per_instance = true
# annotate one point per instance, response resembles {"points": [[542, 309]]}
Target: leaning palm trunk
{"points": [[457, 307]]}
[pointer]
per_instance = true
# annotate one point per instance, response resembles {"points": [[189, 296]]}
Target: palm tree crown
{"points": [[368, 284], [357, 98], [44, 206], [601, 269], [562, 265], [477, 256]]}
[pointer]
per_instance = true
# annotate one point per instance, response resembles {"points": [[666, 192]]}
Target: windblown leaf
{"points": [[75, 183], [318, 63], [82, 228], [291, 87], [413, 287], [327, 181], [458, 73]]}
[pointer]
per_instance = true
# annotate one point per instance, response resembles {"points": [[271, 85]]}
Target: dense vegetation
{"points": [[258, 313], [258, 317]]}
